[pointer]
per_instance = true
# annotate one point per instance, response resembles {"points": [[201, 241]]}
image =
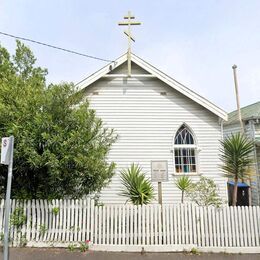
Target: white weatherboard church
{"points": [[158, 121]]}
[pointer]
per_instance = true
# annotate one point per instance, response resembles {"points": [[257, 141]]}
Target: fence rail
{"points": [[69, 221]]}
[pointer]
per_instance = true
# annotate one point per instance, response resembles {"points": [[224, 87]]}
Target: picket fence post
{"points": [[74, 221]]}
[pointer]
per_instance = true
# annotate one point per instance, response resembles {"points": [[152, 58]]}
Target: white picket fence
{"points": [[67, 221]]}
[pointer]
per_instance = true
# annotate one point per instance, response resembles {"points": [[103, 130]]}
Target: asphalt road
{"points": [[64, 254]]}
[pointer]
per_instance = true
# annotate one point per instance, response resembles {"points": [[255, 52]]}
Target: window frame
{"points": [[188, 146]]}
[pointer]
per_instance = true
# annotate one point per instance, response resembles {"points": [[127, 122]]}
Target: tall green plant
{"points": [[235, 154], [183, 183], [61, 146], [137, 188]]}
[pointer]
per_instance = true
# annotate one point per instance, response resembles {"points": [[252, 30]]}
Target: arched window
{"points": [[184, 151]]}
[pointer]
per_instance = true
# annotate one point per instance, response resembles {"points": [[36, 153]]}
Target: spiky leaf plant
{"points": [[137, 188], [235, 154], [183, 183]]}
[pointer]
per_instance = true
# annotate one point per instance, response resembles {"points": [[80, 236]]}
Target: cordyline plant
{"points": [[183, 183], [137, 188], [235, 154]]}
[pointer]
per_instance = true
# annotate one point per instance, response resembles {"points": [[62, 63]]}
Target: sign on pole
{"points": [[7, 159], [5, 151], [159, 170]]}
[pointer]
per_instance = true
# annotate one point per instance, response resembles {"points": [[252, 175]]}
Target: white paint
{"points": [[154, 248], [160, 75], [150, 226], [146, 123]]}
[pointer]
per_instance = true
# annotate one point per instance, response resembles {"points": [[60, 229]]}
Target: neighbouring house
{"points": [[159, 122], [251, 122]]}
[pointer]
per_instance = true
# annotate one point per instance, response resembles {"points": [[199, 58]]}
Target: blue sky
{"points": [[195, 42]]}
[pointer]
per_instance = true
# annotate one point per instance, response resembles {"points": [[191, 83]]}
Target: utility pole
{"points": [[242, 130], [128, 33], [234, 67]]}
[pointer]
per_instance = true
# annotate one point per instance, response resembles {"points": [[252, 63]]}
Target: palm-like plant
{"points": [[235, 154], [137, 188], [183, 183]]}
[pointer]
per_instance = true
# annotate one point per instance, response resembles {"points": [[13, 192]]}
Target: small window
{"points": [[184, 151]]}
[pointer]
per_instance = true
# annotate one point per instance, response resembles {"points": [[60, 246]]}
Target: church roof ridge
{"points": [[157, 73]]}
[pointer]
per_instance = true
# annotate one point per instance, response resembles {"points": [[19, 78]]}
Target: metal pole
{"points": [[234, 67], [7, 200]]}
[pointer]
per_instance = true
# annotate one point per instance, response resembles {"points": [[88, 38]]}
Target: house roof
{"points": [[248, 112], [158, 74]]}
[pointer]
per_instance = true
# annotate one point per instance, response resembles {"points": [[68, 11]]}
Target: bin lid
{"points": [[239, 184]]}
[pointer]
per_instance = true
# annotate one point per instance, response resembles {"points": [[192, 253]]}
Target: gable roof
{"points": [[251, 111], [158, 74]]}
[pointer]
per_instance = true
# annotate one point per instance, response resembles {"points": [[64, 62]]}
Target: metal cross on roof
{"points": [[129, 23]]}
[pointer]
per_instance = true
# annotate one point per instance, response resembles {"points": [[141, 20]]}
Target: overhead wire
{"points": [[55, 47]]}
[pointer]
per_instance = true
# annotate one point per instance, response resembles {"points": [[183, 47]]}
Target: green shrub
{"points": [[17, 218], [137, 188], [71, 247], [204, 193], [43, 230], [83, 246], [56, 211], [194, 251], [23, 241]]}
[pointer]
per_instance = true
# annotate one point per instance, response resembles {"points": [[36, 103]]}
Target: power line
{"points": [[55, 47]]}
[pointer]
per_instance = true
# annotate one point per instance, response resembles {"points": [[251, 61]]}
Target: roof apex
{"points": [[160, 75]]}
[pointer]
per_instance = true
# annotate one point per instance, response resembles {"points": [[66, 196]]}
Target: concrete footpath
{"points": [[64, 254]]}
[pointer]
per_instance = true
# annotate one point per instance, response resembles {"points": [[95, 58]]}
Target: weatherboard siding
{"points": [[233, 128], [146, 121]]}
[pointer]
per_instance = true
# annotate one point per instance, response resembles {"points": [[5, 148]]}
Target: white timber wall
{"points": [[146, 122]]}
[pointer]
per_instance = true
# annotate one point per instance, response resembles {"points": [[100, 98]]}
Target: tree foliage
{"points": [[137, 188], [204, 193], [235, 154], [60, 144]]}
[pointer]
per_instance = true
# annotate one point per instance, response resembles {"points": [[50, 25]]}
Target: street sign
{"points": [[7, 158], [159, 171], [5, 151]]}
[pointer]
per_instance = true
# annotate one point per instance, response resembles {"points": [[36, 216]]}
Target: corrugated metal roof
{"points": [[249, 112]]}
